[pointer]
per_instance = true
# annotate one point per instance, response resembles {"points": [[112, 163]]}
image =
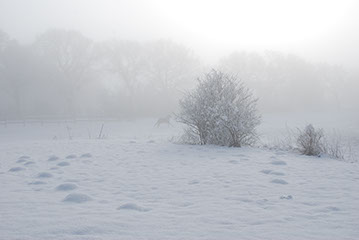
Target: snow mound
{"points": [[16, 169], [77, 198], [71, 156], [86, 155], [66, 187], [44, 175], [63, 164], [278, 162], [52, 158], [266, 171], [24, 157], [279, 181], [132, 206]]}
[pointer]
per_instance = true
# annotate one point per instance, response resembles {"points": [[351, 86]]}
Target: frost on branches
{"points": [[220, 111]]}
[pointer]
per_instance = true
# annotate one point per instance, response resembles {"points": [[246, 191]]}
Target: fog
{"points": [[125, 59], [179, 119]]}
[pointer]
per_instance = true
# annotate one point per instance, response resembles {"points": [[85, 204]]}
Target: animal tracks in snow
{"points": [[63, 164], [66, 187], [52, 158], [133, 207], [71, 156], [44, 175], [279, 181], [234, 161], [77, 198], [267, 171], [278, 162], [86, 155], [29, 163], [53, 161], [37, 183], [16, 169]]}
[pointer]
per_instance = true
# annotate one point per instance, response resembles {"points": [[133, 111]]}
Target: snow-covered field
{"points": [[135, 184]]}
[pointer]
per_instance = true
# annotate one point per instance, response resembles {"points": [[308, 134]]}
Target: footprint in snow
{"points": [[185, 204], [86, 155], [239, 155], [327, 209], [262, 201], [16, 169], [134, 207], [71, 156], [66, 187], [233, 161], [37, 183], [278, 162], [193, 182], [52, 158], [44, 175], [330, 208], [21, 160], [77, 198], [288, 197], [63, 164], [29, 163], [267, 171], [24, 157], [279, 181]]}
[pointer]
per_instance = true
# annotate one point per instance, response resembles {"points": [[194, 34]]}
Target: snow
{"points": [[136, 184], [66, 187], [52, 158], [77, 198], [132, 206], [44, 175]]}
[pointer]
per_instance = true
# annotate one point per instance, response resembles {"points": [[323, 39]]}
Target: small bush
{"points": [[220, 111], [313, 142], [310, 141]]}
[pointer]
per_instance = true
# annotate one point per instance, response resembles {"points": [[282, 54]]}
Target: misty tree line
{"points": [[65, 74]]}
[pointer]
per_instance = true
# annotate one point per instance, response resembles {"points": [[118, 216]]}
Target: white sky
{"points": [[316, 29]]}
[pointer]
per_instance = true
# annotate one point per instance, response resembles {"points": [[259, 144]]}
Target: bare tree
{"points": [[14, 73], [73, 56], [126, 60], [171, 65]]}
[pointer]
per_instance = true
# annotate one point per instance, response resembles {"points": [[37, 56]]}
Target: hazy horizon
{"points": [[319, 31]]}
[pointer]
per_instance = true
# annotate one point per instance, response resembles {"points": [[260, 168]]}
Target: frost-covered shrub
{"points": [[334, 147], [221, 111], [311, 141]]}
